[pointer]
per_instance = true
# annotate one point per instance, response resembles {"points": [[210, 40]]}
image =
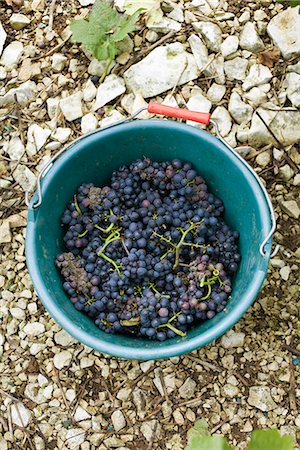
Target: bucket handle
{"points": [[158, 108]]}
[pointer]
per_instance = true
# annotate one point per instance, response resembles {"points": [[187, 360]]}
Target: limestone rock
{"points": [[71, 106], [112, 87], [25, 178], [2, 38], [240, 111], [283, 29], [235, 69], [229, 46], [12, 54], [258, 74], [250, 39], [260, 397], [211, 33], [223, 119], [19, 21]]}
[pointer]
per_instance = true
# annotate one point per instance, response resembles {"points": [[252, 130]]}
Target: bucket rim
{"points": [[185, 345]]}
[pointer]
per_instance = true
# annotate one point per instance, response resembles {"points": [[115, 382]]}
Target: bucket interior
{"points": [[93, 160]]}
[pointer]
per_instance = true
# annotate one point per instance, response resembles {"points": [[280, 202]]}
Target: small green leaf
{"points": [[131, 6], [270, 440], [208, 443], [134, 321]]}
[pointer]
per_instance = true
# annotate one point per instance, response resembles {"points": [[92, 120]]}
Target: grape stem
{"points": [[77, 206], [83, 234], [151, 285], [114, 236], [171, 327]]}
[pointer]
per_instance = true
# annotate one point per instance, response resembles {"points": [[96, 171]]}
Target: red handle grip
{"points": [[157, 108]]}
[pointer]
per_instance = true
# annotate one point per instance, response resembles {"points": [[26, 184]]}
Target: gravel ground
{"points": [[59, 394]]}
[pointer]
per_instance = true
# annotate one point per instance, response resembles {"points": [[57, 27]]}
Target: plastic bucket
{"points": [[93, 159]]}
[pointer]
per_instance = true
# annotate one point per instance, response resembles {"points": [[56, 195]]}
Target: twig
{"points": [[294, 351], [9, 420], [153, 413], [161, 378], [218, 426], [190, 402], [66, 403], [242, 379], [205, 363], [146, 51], [53, 50], [51, 14], [292, 389], [153, 436]]}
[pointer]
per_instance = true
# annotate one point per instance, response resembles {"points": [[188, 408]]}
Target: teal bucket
{"points": [[93, 159]]}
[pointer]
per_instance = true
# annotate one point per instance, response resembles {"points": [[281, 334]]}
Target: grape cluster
{"points": [[149, 255]]}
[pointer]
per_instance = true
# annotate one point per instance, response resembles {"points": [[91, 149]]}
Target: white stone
{"points": [[15, 148], [250, 39], [187, 390], [258, 74], [62, 80], [217, 67], [263, 159], [86, 362], [216, 92], [63, 338], [18, 21], [20, 415], [118, 420], [58, 62], [165, 25], [260, 397], [53, 107], [256, 96], [88, 123], [89, 92], [294, 68], [161, 70], [199, 51], [223, 119], [98, 67], [5, 234], [25, 178], [25, 93], [150, 428], [12, 54], [61, 134], [151, 36], [286, 172], [36, 138], [240, 111], [34, 329], [211, 33], [177, 14], [233, 340], [86, 2], [114, 117], [235, 69], [291, 208], [199, 103], [296, 181], [285, 272], [17, 313], [75, 437], [283, 29], [230, 391], [229, 46], [36, 348], [81, 414], [112, 87], [292, 84], [71, 106], [3, 73], [285, 125], [2, 38], [62, 359]]}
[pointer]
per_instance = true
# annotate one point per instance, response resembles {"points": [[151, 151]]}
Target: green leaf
{"points": [[131, 6], [270, 440], [208, 443], [131, 322], [102, 29]]}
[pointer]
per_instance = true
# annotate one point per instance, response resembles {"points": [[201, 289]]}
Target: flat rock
{"points": [[58, 62], [98, 67], [260, 397], [112, 87], [217, 67], [36, 138], [2, 38], [113, 117], [165, 25], [283, 29], [286, 172], [292, 84], [188, 388], [284, 124], [61, 134], [74, 438], [5, 234], [86, 2], [236, 68], [223, 119], [81, 414], [89, 91], [25, 178], [62, 359], [199, 51], [229, 46], [34, 329], [250, 39], [240, 111], [53, 107], [19, 21], [71, 106], [63, 338], [88, 123], [233, 340], [230, 391], [24, 94], [211, 33], [256, 96], [216, 92], [20, 415], [15, 148], [161, 70], [263, 159], [258, 74], [151, 429], [12, 54], [291, 208], [284, 272], [118, 420]]}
